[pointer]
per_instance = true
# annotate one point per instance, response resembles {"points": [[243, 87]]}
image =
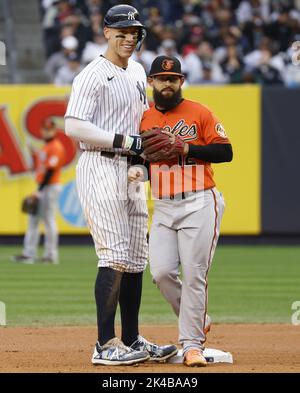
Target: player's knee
{"points": [[161, 276]]}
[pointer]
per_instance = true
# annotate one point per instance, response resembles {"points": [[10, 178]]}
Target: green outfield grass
{"points": [[246, 284]]}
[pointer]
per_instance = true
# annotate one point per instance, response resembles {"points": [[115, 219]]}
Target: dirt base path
{"points": [[255, 348]]}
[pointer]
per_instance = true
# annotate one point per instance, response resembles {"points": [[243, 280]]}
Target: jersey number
{"points": [[184, 161]]}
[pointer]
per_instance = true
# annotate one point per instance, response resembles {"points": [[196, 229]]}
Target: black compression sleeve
{"points": [[47, 178], [216, 152]]}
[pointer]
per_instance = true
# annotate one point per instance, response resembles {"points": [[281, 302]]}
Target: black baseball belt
{"points": [[109, 154], [179, 196]]}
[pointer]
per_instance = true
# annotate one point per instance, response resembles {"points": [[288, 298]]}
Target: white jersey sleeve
{"points": [[84, 96]]}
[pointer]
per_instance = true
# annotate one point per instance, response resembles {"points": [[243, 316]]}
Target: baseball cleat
{"points": [[115, 353], [23, 259], [157, 353], [194, 358]]}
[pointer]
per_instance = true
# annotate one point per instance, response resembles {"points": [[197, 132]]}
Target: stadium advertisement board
{"points": [[24, 107]]}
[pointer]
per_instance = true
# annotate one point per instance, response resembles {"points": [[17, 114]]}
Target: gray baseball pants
{"points": [[185, 232], [46, 214]]}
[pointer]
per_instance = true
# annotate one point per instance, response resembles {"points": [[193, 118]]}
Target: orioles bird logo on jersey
{"points": [[167, 65]]}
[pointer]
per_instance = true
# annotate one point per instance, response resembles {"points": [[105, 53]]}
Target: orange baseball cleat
{"points": [[194, 358]]}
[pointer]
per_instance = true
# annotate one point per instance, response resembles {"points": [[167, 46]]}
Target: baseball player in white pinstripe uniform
{"points": [[104, 113]]}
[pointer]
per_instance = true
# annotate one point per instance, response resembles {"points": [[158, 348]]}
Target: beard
{"points": [[167, 103]]}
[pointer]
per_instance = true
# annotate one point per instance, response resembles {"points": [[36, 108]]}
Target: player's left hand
{"points": [[184, 149], [161, 145]]}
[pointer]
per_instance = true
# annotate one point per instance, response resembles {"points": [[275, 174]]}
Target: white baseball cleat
{"points": [[157, 353], [115, 353]]}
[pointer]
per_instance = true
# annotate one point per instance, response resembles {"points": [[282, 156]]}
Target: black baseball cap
{"points": [[165, 65]]}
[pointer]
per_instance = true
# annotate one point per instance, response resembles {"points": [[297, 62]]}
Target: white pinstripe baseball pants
{"points": [[115, 211]]}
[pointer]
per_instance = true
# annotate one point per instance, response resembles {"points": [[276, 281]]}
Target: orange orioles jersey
{"points": [[51, 156], [196, 125]]}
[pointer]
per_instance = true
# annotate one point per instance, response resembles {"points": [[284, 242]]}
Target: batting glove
{"points": [[133, 144]]}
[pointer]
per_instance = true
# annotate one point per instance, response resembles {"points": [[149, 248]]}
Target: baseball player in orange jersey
{"points": [[188, 208], [48, 163]]}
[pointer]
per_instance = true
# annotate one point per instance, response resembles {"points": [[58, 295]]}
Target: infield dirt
{"points": [[255, 348]]}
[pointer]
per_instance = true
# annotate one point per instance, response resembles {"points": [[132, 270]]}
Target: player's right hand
{"points": [[133, 144], [135, 174]]}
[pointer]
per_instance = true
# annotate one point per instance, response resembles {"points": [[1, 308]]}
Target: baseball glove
{"points": [[30, 205], [158, 145]]}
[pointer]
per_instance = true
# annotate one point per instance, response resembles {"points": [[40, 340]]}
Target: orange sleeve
{"points": [[212, 129], [55, 157]]}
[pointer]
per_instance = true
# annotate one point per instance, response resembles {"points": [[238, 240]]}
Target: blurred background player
{"points": [[48, 162]]}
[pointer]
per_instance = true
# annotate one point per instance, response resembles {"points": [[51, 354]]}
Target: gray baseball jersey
{"points": [[113, 99]]}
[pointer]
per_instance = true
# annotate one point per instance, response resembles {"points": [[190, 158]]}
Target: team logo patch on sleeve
{"points": [[220, 130]]}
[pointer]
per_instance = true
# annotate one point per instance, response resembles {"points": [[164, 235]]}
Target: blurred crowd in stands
{"points": [[217, 41]]}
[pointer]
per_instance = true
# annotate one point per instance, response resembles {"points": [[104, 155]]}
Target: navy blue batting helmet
{"points": [[124, 15]]}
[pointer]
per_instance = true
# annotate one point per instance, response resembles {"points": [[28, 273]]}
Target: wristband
{"points": [[118, 141]]}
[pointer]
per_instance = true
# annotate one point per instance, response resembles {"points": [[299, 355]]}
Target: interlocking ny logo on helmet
{"points": [[122, 15], [131, 16]]}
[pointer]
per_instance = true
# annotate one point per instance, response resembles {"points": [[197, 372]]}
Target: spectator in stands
{"points": [[144, 57], [94, 49], [194, 64], [53, 19], [57, 60], [265, 73], [155, 28], [89, 7], [168, 48], [96, 21], [67, 73], [233, 65], [280, 30], [291, 74], [253, 32], [207, 75], [193, 38], [235, 33], [80, 25], [247, 9], [229, 38], [255, 58]]}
